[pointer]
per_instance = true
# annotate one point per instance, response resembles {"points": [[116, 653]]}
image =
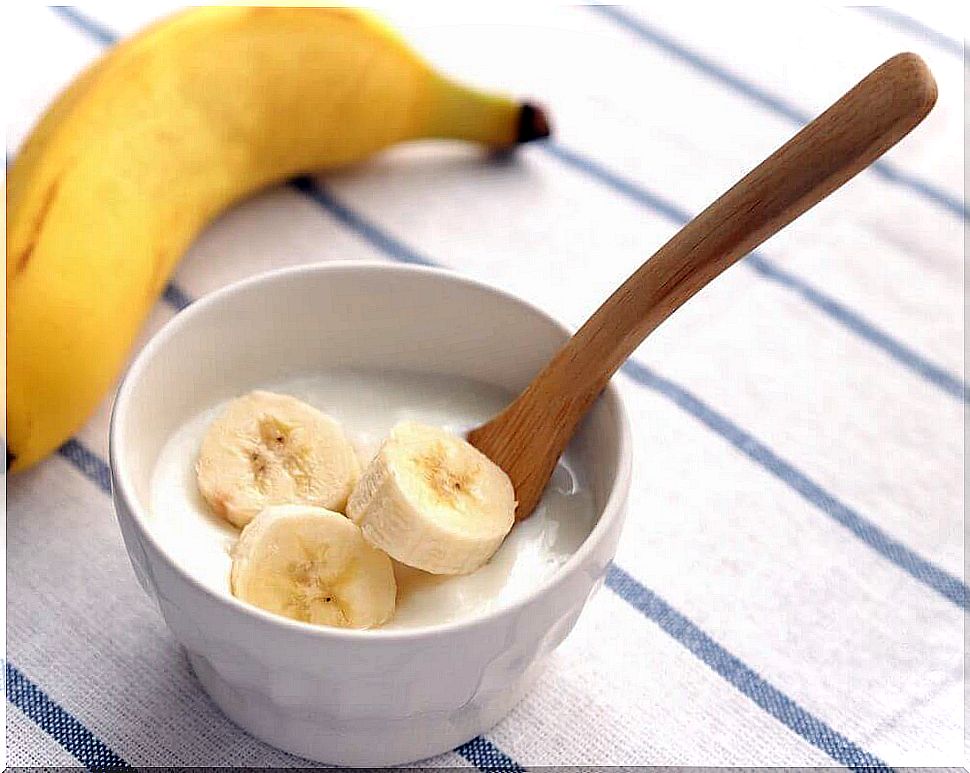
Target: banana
{"points": [[269, 449], [313, 565], [159, 136], [432, 501]]}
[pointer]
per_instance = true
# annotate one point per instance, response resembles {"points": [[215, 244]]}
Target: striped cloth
{"points": [[789, 586]]}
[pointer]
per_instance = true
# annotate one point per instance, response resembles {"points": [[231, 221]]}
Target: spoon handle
{"points": [[527, 438]]}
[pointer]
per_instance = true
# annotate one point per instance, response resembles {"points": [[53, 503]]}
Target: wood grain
{"points": [[528, 437]]}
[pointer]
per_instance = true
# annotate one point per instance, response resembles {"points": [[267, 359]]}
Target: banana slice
{"points": [[433, 501], [311, 564], [269, 449]]}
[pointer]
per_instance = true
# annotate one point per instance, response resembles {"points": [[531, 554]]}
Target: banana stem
{"points": [[460, 112]]}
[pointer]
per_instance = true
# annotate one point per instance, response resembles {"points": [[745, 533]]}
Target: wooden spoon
{"points": [[527, 438]]}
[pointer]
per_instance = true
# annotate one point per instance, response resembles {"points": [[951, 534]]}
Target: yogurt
{"points": [[368, 405]]}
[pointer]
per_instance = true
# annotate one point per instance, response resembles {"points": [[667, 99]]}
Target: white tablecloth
{"points": [[789, 586]]}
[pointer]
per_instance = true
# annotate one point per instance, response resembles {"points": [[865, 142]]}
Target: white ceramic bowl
{"points": [[361, 698]]}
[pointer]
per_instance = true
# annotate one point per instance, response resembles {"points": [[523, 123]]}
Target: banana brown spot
{"points": [[447, 483], [272, 432], [308, 586], [279, 445], [24, 258], [220, 502], [259, 464]]}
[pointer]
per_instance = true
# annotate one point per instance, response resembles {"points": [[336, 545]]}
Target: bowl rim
{"points": [[123, 488]]}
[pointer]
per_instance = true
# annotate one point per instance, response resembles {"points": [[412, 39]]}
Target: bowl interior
{"points": [[341, 316]]}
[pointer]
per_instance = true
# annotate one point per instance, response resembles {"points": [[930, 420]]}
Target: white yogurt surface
{"points": [[369, 405]]}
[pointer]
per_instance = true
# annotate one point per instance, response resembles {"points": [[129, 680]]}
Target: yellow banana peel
{"points": [[158, 137]]}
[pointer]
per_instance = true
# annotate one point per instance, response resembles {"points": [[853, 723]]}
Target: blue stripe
{"points": [[767, 100], [389, 246], [60, 724], [896, 349], [907, 24], [742, 677], [765, 268], [88, 462], [485, 755], [926, 572], [99, 32], [948, 586]]}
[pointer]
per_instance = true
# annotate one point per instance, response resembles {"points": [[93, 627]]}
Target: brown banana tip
{"points": [[10, 459], [533, 123]]}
